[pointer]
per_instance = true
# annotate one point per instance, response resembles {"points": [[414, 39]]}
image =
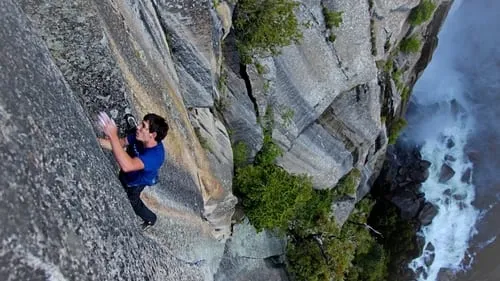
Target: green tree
{"points": [[271, 196], [315, 216], [422, 12], [263, 26], [326, 253]]}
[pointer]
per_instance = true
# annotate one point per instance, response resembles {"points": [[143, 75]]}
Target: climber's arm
{"points": [[106, 144], [126, 163]]}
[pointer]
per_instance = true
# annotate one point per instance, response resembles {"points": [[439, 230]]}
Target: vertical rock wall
{"points": [[64, 214], [331, 102]]}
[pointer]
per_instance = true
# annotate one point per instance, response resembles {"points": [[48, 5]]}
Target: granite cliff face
{"points": [[64, 214]]}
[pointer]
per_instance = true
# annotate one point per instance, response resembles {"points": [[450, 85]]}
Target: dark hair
{"points": [[158, 125]]}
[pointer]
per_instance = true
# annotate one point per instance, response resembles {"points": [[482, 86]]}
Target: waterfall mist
{"points": [[454, 118]]}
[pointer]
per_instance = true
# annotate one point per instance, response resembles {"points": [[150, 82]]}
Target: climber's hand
{"points": [[105, 143]]}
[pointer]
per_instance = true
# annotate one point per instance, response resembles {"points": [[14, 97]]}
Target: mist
{"points": [[455, 110]]}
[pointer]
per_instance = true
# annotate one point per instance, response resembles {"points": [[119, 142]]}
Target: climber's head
{"points": [[152, 128]]}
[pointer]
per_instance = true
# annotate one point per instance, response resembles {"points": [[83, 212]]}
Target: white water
{"points": [[453, 226], [443, 114]]}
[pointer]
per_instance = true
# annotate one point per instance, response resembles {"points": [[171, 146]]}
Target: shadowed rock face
{"points": [[63, 216]]}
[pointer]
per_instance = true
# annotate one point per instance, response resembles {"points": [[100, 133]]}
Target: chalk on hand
{"points": [[104, 120]]}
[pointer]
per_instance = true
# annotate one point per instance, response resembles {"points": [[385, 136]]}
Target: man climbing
{"points": [[139, 164]]}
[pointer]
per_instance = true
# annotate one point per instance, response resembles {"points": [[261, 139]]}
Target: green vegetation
{"points": [[396, 127], [266, 86], [240, 154], [422, 13], [222, 82], [370, 264], [410, 45], [260, 68], [348, 184], [264, 26], [332, 18], [270, 195], [389, 66], [328, 253], [222, 103], [287, 117], [396, 76], [318, 250], [405, 94], [399, 240]]}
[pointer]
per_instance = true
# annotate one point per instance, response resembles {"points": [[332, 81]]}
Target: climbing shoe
{"points": [[145, 225], [131, 122]]}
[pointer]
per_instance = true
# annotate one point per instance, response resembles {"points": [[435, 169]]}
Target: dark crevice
{"points": [[248, 85], [384, 82], [162, 25]]}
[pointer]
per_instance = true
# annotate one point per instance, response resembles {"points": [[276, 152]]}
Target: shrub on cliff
{"points": [[348, 184], [347, 254], [396, 127], [240, 152], [263, 26], [270, 195], [422, 12], [410, 45], [332, 18], [400, 236]]}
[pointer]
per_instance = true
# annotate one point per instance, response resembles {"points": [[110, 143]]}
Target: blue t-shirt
{"points": [[151, 157]]}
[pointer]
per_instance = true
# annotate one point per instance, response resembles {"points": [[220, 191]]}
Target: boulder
{"points": [[474, 156], [430, 247], [429, 259], [446, 173], [450, 143], [459, 197], [428, 212], [424, 164], [467, 176], [419, 175], [450, 158], [407, 202], [447, 192]]}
